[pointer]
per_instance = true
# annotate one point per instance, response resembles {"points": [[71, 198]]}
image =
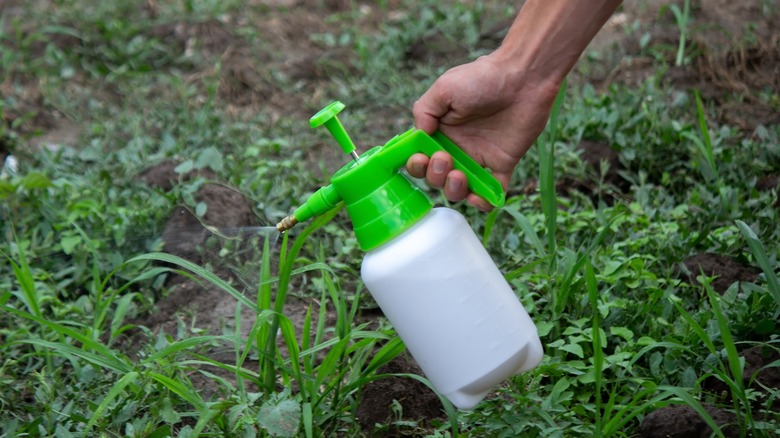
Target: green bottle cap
{"points": [[382, 202]]}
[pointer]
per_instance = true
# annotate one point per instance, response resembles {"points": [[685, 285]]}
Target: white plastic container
{"points": [[455, 312]]}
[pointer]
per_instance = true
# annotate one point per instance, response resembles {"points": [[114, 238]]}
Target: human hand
{"points": [[495, 107], [493, 113]]}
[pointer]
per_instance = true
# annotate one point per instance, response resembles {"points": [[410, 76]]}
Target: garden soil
{"points": [[734, 63]]}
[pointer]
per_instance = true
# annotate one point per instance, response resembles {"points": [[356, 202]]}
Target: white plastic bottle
{"points": [[466, 329]]}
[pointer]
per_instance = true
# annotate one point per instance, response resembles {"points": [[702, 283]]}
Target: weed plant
{"points": [[624, 332]]}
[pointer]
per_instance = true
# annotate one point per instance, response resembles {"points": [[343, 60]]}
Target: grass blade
{"points": [[199, 271], [112, 394], [737, 383], [264, 288], [205, 419], [681, 18], [68, 350], [122, 306], [528, 230], [598, 353], [618, 422], [490, 221], [709, 168], [26, 282], [187, 393], [757, 248], [232, 369], [104, 355], [184, 344], [388, 352], [547, 172], [516, 273], [695, 326], [308, 420]]}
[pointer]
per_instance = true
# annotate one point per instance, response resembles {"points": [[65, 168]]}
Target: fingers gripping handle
{"points": [[480, 181]]}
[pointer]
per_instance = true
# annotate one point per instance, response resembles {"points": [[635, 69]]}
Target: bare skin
{"points": [[495, 107]]}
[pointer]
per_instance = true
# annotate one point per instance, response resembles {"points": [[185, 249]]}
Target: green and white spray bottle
{"points": [[426, 268]]}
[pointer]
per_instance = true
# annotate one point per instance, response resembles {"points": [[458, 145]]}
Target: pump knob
{"points": [[327, 116]]}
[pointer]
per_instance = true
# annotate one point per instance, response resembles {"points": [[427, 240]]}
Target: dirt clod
{"points": [[417, 401], [679, 421], [186, 235], [768, 182], [756, 375], [164, 176], [727, 270]]}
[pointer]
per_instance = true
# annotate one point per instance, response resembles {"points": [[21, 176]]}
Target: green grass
{"points": [[624, 332]]}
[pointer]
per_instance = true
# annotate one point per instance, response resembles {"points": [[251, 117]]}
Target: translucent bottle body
{"points": [[454, 310]]}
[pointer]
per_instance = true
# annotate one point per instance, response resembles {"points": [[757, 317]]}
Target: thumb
{"points": [[429, 108]]}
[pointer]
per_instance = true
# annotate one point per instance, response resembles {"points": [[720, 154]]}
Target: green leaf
{"points": [[574, 349], [558, 393], [6, 189], [168, 414], [623, 332], [546, 148], [184, 167], [543, 328], [201, 209], [598, 352], [68, 243], [281, 419], [35, 180], [611, 267], [162, 432], [62, 432], [204, 419], [308, 420], [728, 340], [210, 157], [385, 354], [705, 145]]}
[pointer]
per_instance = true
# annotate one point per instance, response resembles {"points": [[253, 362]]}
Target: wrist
{"points": [[548, 37], [525, 80]]}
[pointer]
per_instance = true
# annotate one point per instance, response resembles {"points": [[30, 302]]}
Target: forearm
{"points": [[548, 36]]}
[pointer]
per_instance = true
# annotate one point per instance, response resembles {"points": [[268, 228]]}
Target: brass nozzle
{"points": [[286, 223]]}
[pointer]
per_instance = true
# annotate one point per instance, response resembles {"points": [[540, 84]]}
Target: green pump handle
{"points": [[396, 153], [480, 181]]}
